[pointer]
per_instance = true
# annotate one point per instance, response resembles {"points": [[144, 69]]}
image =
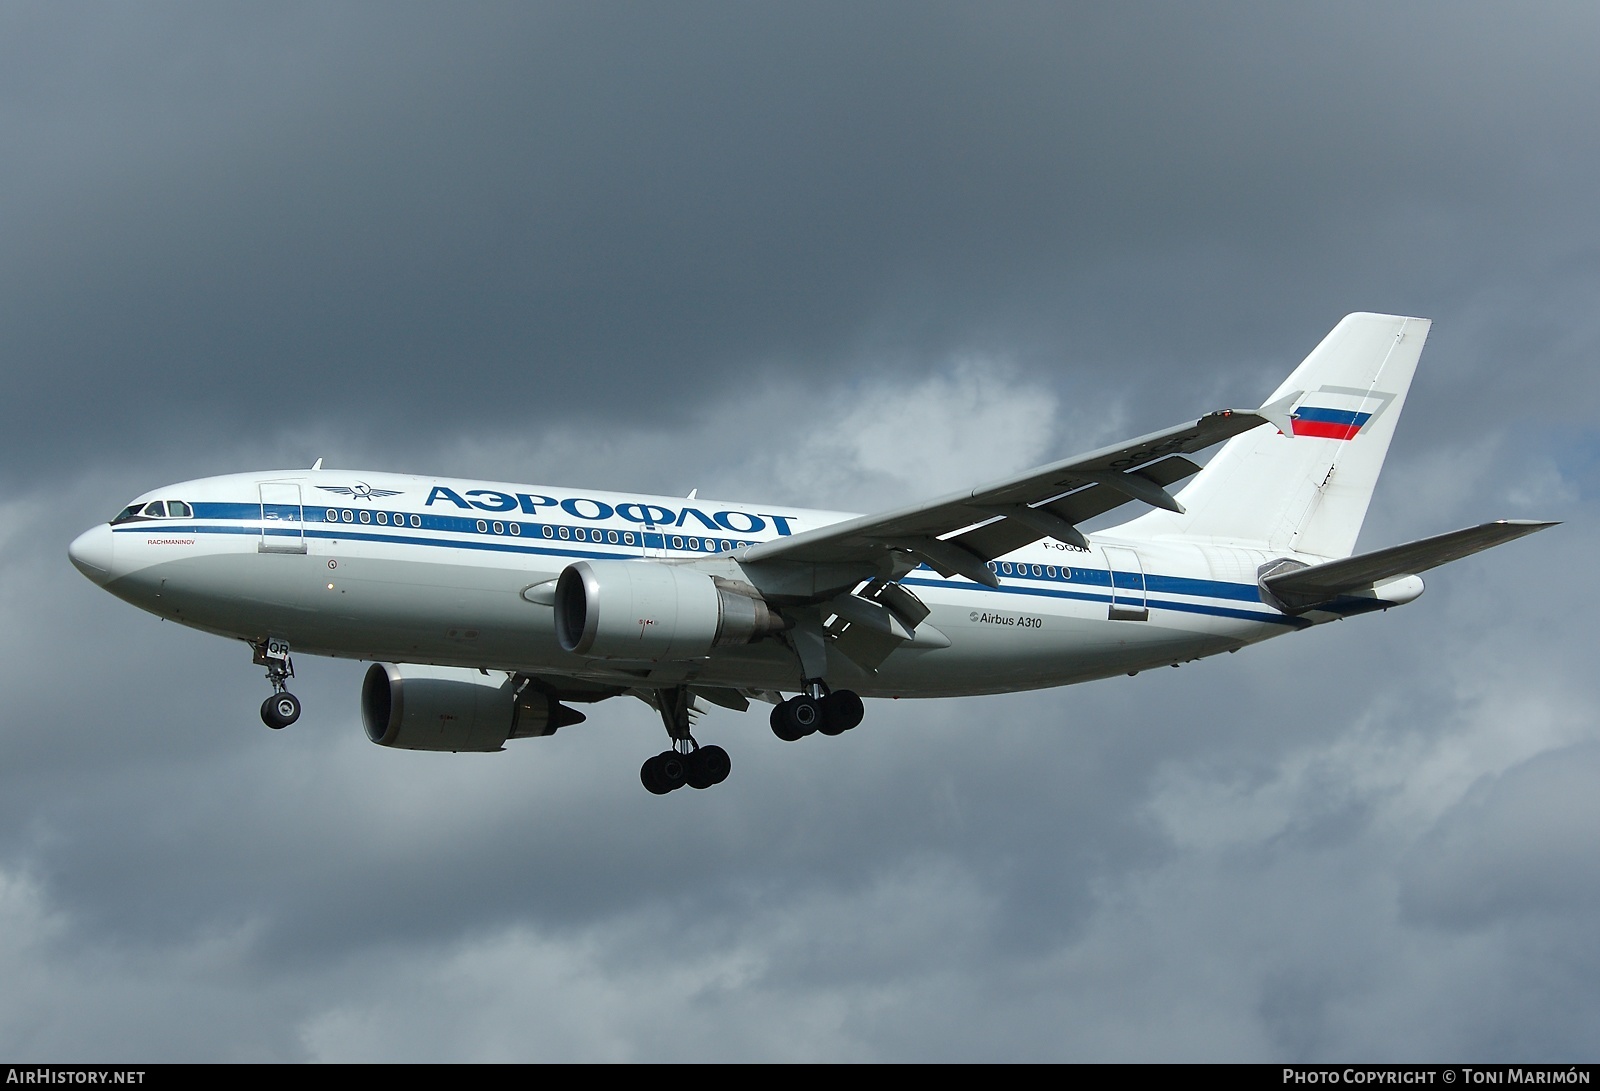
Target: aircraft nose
{"points": [[91, 553]]}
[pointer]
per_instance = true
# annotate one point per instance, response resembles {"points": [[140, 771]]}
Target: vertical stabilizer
{"points": [[1307, 491]]}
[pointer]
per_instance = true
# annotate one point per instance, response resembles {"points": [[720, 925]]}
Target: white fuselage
{"points": [[404, 569]]}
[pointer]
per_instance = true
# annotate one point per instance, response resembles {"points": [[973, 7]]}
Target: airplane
{"points": [[488, 610]]}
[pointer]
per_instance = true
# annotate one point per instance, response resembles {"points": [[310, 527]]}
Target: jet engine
{"points": [[651, 611], [449, 708]]}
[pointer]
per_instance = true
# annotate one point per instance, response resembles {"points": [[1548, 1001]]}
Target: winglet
{"points": [[1279, 413]]}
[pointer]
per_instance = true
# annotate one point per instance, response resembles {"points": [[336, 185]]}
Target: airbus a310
{"points": [[489, 611]]}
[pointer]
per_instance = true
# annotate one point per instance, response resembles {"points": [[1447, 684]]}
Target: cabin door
{"points": [[283, 528], [1128, 601]]}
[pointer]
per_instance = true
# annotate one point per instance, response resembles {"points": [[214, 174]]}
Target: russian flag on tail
{"points": [[1327, 423]]}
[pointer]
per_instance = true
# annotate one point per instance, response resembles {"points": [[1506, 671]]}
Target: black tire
{"points": [[707, 766], [719, 762], [782, 726], [650, 777], [672, 769], [280, 710], [796, 718], [841, 710], [806, 713]]}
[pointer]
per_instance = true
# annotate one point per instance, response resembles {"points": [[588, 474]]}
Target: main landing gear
{"points": [[815, 707], [700, 767], [687, 762], [282, 708], [832, 712]]}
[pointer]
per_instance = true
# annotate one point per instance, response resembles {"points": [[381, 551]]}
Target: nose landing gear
{"points": [[282, 708]]}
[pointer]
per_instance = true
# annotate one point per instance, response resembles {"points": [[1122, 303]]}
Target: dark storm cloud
{"points": [[1512, 846], [837, 254], [247, 219]]}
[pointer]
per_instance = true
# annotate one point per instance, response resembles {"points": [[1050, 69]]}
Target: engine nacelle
{"points": [[652, 611], [451, 708]]}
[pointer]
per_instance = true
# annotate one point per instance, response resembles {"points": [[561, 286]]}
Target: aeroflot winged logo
{"points": [[359, 491], [1338, 412]]}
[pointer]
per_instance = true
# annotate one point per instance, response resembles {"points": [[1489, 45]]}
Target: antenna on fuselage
{"points": [[317, 465]]}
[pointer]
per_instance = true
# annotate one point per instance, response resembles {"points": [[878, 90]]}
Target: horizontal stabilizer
{"points": [[1302, 588]]}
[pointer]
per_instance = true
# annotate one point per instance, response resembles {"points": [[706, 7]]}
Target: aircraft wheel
{"points": [[707, 766], [796, 718], [651, 778], [781, 725], [841, 710], [671, 771], [718, 762], [280, 710]]}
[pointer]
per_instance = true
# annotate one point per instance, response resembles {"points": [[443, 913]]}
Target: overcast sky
{"points": [[833, 254]]}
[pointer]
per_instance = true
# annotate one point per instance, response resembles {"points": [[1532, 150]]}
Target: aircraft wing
{"points": [[1300, 589], [961, 532]]}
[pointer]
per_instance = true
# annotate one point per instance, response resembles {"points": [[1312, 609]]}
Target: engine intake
{"points": [[651, 611], [450, 708]]}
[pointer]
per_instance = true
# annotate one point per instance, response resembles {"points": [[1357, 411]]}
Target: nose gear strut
{"points": [[282, 708]]}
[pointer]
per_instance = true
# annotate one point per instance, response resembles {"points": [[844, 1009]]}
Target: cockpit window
{"points": [[155, 509]]}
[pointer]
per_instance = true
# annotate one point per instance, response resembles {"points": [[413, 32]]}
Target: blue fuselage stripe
{"points": [[542, 539]]}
